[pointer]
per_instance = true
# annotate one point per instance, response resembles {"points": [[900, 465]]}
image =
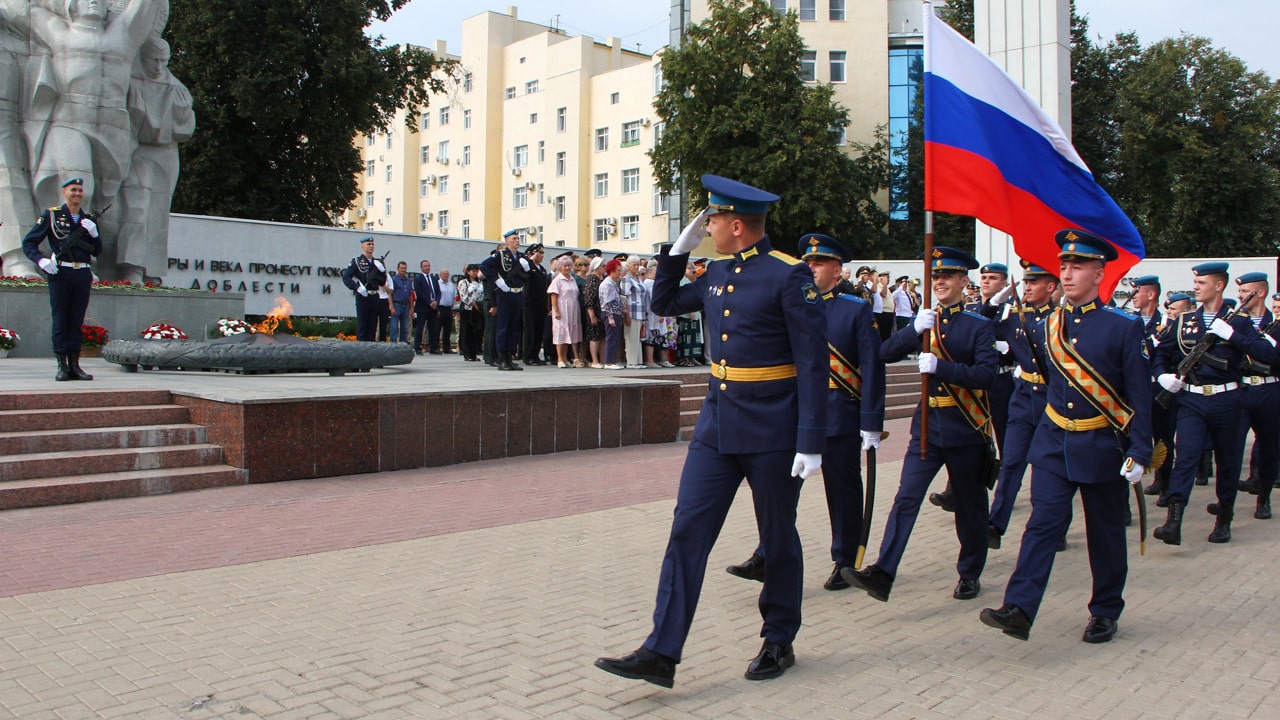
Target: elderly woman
{"points": [[659, 331], [566, 325], [593, 331], [611, 305], [470, 314]]}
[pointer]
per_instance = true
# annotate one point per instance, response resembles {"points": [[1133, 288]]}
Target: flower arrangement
{"points": [[93, 336], [8, 339], [233, 326], [17, 281], [163, 331]]}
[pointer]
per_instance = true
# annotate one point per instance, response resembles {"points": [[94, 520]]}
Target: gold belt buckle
{"points": [[1208, 390], [1071, 425], [933, 402], [718, 371]]}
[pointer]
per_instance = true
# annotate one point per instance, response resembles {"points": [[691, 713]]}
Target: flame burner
{"points": [[256, 353]]}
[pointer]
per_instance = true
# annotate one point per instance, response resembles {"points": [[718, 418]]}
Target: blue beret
{"points": [[74, 181], [1144, 280], [509, 233], [1081, 244], [365, 239], [816, 245], [995, 268], [1178, 296], [1251, 277], [1030, 271], [725, 195], [1210, 268], [947, 259]]}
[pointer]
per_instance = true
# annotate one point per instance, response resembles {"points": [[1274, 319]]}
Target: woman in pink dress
{"points": [[566, 325]]}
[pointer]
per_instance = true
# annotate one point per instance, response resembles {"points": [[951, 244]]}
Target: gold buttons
{"points": [[1071, 406], [730, 288], [1073, 341], [737, 270], [724, 337], [945, 321], [726, 312], [723, 386], [1077, 320]]}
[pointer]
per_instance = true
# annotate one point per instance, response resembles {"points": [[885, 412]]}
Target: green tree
{"points": [[959, 15], [733, 104], [280, 91]]}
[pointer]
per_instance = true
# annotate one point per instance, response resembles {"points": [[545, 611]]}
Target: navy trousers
{"points": [[68, 302], [708, 484], [964, 465], [1104, 504], [1025, 409], [1216, 421], [507, 334], [368, 315], [1000, 394], [1262, 405]]}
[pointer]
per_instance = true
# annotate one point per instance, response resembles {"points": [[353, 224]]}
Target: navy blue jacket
{"points": [[852, 333], [1222, 363], [54, 222]]}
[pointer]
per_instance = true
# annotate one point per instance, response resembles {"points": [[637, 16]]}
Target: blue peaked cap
{"points": [[725, 195]]}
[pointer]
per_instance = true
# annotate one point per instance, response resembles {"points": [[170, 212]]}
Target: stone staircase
{"points": [[72, 446]]}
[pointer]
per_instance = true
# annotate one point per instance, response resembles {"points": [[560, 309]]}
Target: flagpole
{"points": [[927, 303]]}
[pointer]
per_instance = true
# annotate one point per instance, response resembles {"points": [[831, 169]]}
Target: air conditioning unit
{"points": [[529, 185], [531, 230], [611, 221], [443, 160], [644, 122], [431, 179], [430, 215], [361, 212], [515, 171], [380, 158], [609, 230]]}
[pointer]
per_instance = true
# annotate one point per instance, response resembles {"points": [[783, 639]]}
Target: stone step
{"points": [[74, 462], [691, 403], [900, 411], [45, 441], [686, 434], [82, 398], [106, 486], [91, 417]]}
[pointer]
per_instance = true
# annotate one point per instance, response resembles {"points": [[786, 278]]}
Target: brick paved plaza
{"points": [[486, 590]]}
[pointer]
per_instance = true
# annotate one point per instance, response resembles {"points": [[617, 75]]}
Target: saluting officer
{"points": [[961, 360], [366, 275], [73, 243], [1094, 435], [1210, 405], [855, 407], [764, 418], [1261, 390], [510, 271]]}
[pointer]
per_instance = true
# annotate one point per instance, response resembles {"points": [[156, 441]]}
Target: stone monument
{"points": [[79, 97]]}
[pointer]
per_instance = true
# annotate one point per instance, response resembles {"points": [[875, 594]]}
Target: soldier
{"points": [[1146, 302], [1210, 406], [1261, 391], [764, 418], [961, 362], [855, 407], [535, 304], [365, 275], [73, 244], [510, 271], [1094, 435]]}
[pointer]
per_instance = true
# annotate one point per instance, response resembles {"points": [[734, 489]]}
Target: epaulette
{"points": [[852, 298], [1123, 313], [973, 314], [55, 208], [788, 259]]}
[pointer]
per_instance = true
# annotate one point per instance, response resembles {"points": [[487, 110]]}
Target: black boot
{"points": [[944, 499], [64, 368], [512, 364], [1222, 528], [1263, 511], [1160, 485], [73, 362], [1171, 531], [1249, 485], [1206, 469]]}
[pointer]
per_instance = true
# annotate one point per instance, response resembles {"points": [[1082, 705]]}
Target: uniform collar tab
{"points": [[761, 247], [1082, 309]]}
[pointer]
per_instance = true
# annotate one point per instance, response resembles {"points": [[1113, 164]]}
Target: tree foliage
{"points": [[733, 104], [280, 90]]}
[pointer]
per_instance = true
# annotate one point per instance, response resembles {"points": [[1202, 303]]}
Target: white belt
{"points": [[1258, 380], [77, 265], [1210, 389]]}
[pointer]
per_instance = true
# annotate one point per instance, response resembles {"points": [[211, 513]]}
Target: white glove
{"points": [[928, 362], [90, 226], [502, 285], [362, 290], [870, 440], [1222, 329], [1170, 382], [806, 466], [691, 236], [925, 320], [524, 264], [1133, 474], [1001, 296], [1002, 347], [48, 265]]}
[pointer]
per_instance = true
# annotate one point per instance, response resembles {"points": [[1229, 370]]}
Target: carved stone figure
{"points": [[17, 210]]}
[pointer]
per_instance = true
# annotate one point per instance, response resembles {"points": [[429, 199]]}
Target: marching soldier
{"points": [[365, 275], [1210, 404], [1094, 435], [73, 243], [1261, 390], [855, 407], [764, 418], [510, 272], [1146, 302], [961, 362]]}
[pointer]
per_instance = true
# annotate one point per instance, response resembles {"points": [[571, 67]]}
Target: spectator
{"points": [[635, 311], [660, 332], [689, 330], [470, 314], [444, 316], [885, 319], [401, 297], [566, 325], [593, 331], [903, 310], [612, 307], [426, 301]]}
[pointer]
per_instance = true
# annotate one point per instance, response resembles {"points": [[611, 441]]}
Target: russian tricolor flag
{"points": [[992, 153]]}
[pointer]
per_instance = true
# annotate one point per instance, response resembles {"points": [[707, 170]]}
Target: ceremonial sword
{"points": [[869, 503]]}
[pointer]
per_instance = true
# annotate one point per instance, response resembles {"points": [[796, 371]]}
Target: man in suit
{"points": [[426, 309]]}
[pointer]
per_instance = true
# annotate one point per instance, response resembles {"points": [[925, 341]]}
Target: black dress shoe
{"points": [[1099, 630], [1010, 619], [1249, 485], [993, 537], [752, 569], [943, 500], [643, 664], [773, 660], [1062, 544], [875, 581], [836, 581], [967, 589], [1263, 511]]}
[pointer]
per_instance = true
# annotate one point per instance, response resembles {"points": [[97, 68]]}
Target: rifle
{"points": [[1186, 368], [75, 240]]}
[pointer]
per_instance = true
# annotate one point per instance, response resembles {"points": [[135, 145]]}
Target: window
{"points": [[466, 119], [368, 168], [657, 78], [837, 66], [533, 118], [442, 185], [388, 173], [444, 116], [388, 207], [601, 230], [562, 119], [424, 153], [422, 222], [368, 140], [657, 132], [422, 188], [614, 98], [779, 5], [388, 141], [808, 9], [368, 199], [466, 155], [561, 163], [809, 66], [424, 121], [602, 139], [531, 87], [631, 181], [466, 83], [842, 136], [631, 133], [442, 222], [520, 157], [520, 198], [602, 184], [630, 227], [661, 202], [511, 92], [542, 151], [837, 10], [368, 226], [466, 228], [541, 198], [466, 193], [559, 205], [442, 151]]}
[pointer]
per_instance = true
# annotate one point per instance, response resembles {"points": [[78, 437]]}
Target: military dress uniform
{"points": [[1260, 374], [1210, 410], [72, 249], [535, 308], [370, 274], [1098, 414], [510, 272], [959, 432], [1001, 391], [1162, 419]]}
